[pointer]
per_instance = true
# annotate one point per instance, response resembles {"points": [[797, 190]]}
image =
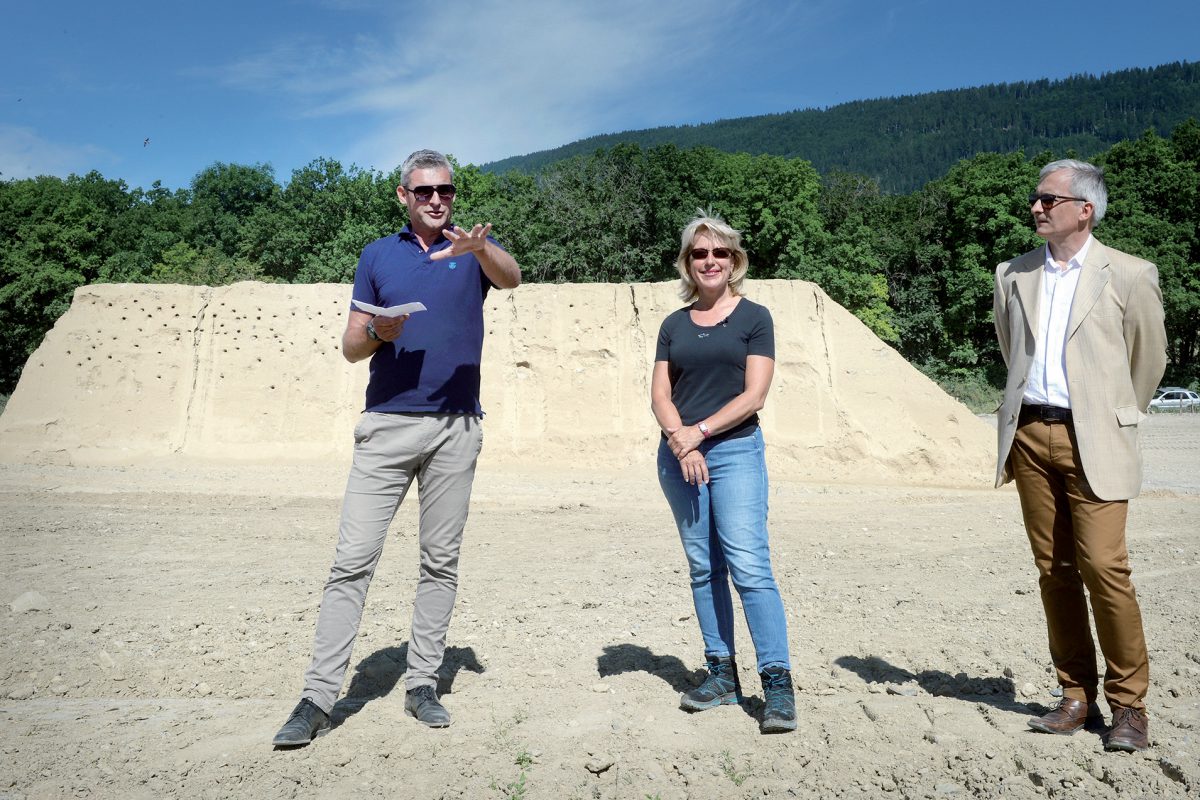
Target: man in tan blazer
{"points": [[1081, 329]]}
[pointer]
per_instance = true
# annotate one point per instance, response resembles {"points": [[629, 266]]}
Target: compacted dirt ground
{"points": [[156, 621]]}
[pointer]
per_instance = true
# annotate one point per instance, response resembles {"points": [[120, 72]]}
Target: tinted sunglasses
{"points": [[701, 253], [424, 194], [1049, 201]]}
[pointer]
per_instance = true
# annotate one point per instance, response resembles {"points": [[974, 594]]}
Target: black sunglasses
{"points": [[1049, 201], [424, 194], [701, 253]]}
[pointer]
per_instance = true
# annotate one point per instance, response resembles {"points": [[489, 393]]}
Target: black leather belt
{"points": [[1031, 413]]}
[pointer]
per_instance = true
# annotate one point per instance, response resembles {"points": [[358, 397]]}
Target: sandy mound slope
{"points": [[253, 372]]}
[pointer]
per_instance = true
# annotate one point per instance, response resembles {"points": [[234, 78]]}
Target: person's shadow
{"points": [[377, 675], [999, 692], [621, 658]]}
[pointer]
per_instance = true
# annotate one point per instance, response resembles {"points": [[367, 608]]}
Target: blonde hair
{"points": [[722, 234]]}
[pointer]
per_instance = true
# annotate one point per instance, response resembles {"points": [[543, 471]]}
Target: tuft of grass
{"points": [[731, 772], [513, 790]]}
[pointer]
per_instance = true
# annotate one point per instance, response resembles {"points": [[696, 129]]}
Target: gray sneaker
{"points": [[422, 703], [721, 687], [306, 723]]}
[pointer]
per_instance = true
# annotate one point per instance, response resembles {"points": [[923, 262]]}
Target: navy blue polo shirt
{"points": [[434, 366]]}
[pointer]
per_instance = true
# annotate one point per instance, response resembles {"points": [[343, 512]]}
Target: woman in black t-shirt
{"points": [[712, 370]]}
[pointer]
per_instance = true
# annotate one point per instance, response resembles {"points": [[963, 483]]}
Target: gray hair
{"points": [[719, 230], [1087, 181], [424, 159]]}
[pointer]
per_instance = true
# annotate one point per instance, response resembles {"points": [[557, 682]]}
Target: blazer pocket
{"points": [[1128, 415]]}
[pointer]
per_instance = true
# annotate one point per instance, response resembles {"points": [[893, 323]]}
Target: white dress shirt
{"points": [[1047, 384]]}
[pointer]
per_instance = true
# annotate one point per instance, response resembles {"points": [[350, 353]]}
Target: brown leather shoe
{"points": [[1066, 718], [1130, 730]]}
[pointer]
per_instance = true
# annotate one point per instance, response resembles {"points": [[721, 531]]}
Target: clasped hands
{"points": [[683, 442]]}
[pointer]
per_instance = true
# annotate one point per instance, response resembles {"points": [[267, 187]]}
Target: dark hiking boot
{"points": [[719, 688], [779, 701]]}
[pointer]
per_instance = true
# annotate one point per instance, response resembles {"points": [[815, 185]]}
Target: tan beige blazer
{"points": [[1115, 353]]}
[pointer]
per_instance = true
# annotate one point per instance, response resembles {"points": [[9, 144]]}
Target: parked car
{"points": [[1175, 398]]}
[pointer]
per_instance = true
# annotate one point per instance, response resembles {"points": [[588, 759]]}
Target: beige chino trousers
{"points": [[390, 451]]}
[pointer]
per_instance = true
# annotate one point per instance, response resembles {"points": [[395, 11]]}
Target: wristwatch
{"points": [[704, 429], [371, 331]]}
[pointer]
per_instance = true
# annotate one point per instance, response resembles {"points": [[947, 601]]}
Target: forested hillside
{"points": [[916, 268], [902, 143]]}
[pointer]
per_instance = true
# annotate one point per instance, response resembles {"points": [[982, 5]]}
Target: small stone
{"points": [[203, 689], [599, 763], [599, 688], [1028, 690], [20, 693], [1056, 691]]}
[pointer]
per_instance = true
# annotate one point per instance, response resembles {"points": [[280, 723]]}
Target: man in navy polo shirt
{"points": [[422, 421]]}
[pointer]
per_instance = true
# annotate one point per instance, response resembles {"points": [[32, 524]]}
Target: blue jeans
{"points": [[723, 526]]}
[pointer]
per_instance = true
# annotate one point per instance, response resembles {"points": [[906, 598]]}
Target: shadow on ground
{"points": [[618, 659], [377, 675], [999, 693]]}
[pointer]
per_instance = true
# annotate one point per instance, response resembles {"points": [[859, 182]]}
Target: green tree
{"points": [[1154, 199], [54, 236]]}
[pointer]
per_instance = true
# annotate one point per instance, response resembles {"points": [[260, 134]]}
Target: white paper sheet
{"points": [[392, 312]]}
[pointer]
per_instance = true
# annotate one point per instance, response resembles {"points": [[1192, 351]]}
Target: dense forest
{"points": [[903, 143], [916, 268]]}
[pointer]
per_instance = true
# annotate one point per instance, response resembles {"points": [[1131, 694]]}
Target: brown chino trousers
{"points": [[1078, 540]]}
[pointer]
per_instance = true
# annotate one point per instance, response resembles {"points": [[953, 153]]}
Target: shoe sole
{"points": [[1033, 725], [445, 724], [1124, 747], [300, 743], [778, 726], [723, 700]]}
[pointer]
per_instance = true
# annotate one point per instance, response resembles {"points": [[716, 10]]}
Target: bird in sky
{"points": [[146, 142]]}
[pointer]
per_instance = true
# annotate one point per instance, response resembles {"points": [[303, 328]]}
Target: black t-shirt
{"points": [[707, 365]]}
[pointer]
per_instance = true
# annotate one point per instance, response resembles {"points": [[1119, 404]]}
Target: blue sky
{"points": [[84, 85]]}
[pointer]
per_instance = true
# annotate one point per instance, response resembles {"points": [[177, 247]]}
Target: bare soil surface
{"points": [[173, 609]]}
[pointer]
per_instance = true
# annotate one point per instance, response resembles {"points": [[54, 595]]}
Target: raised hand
{"points": [[462, 241]]}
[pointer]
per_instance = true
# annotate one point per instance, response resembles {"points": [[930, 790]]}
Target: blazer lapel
{"points": [[1093, 278], [1027, 286]]}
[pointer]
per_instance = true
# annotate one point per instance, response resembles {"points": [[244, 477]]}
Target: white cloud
{"points": [[487, 79], [25, 154]]}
